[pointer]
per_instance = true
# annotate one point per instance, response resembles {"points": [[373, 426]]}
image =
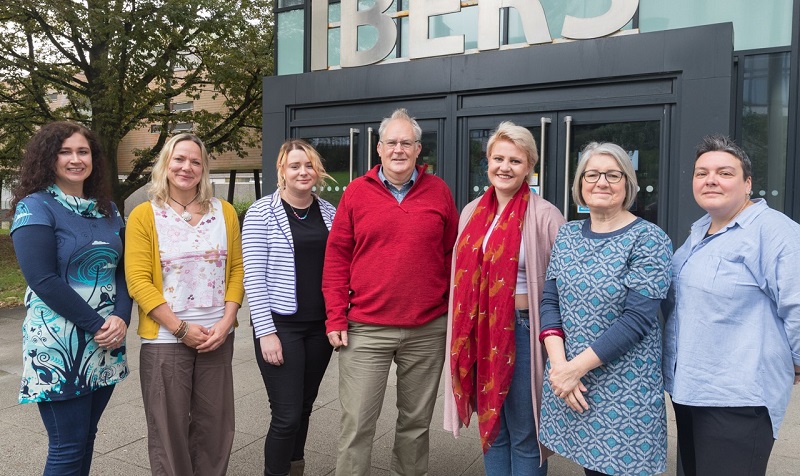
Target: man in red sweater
{"points": [[386, 282]]}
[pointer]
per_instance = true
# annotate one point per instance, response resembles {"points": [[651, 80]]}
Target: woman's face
{"points": [[73, 164], [185, 168], [508, 167], [719, 185], [300, 176], [602, 195]]}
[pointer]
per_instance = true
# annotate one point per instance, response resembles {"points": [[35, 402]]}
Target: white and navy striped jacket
{"points": [[269, 274]]}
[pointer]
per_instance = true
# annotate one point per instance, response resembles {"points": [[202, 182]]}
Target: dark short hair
{"points": [[723, 143], [38, 171]]}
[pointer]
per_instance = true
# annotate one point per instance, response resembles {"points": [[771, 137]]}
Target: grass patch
{"points": [[12, 283]]}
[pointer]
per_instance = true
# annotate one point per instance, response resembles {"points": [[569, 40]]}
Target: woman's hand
{"points": [[195, 336], [565, 380], [111, 334], [216, 336], [271, 349]]}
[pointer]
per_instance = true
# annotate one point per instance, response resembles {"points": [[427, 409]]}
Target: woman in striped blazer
{"points": [[283, 240]]}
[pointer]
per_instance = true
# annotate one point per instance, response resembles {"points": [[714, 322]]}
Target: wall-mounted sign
{"points": [[531, 12]]}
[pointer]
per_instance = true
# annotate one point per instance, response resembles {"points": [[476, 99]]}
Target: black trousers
{"points": [[292, 389], [734, 441]]}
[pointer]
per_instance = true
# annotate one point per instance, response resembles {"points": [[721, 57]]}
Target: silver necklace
{"points": [[186, 215]]}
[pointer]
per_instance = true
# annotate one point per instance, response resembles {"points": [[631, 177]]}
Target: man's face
{"points": [[398, 149]]}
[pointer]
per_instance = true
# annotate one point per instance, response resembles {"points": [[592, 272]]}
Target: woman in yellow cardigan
{"points": [[184, 269]]}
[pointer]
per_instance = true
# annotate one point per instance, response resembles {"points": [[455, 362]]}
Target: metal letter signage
{"points": [[419, 45], [531, 13], [620, 13], [534, 23], [352, 18]]}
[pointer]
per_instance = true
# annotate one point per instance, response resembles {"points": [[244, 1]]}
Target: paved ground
{"points": [[121, 447]]}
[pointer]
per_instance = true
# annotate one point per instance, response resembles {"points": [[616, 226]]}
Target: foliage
{"points": [[121, 63], [241, 207], [12, 283]]}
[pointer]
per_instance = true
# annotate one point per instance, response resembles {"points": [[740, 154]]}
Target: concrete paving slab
{"points": [[121, 446]]}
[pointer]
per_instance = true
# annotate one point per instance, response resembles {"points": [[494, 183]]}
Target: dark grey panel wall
{"points": [[689, 69]]}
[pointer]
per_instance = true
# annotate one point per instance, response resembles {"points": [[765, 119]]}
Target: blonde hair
{"points": [[520, 137], [159, 185], [622, 159], [313, 156]]}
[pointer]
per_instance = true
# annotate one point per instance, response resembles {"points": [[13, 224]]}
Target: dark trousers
{"points": [[734, 441], [292, 389], [71, 428]]}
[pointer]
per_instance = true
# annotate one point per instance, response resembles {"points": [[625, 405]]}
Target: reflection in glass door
{"points": [[339, 147], [560, 136], [640, 138], [479, 132]]}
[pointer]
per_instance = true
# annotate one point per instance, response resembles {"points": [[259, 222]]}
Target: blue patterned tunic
{"points": [[61, 360], [624, 431]]}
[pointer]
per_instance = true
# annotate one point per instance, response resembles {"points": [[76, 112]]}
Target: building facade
{"points": [[650, 75]]}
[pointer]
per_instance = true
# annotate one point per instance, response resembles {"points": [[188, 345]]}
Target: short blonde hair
{"points": [[159, 185], [622, 159], [313, 156], [520, 137]]}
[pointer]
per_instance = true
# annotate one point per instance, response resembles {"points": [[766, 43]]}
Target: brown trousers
{"points": [[188, 402]]}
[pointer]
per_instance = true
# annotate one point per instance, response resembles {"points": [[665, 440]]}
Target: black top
{"points": [[310, 236]]}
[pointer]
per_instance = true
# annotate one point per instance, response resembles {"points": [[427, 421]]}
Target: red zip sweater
{"points": [[388, 261]]}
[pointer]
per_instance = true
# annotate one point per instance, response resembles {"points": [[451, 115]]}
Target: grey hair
{"points": [[622, 159], [401, 113], [723, 143]]}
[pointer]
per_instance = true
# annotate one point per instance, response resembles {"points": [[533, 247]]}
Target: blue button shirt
{"points": [[399, 193], [732, 333]]}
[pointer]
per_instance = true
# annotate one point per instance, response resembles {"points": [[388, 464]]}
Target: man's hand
{"points": [[337, 339]]}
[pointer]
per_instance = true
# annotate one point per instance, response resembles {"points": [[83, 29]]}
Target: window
{"points": [[155, 128], [183, 127], [764, 121], [52, 97], [183, 106]]}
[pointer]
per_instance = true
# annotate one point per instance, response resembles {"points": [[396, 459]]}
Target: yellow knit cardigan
{"points": [[143, 263]]}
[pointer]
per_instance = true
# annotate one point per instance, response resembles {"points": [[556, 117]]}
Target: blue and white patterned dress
{"points": [[624, 431], [61, 360]]}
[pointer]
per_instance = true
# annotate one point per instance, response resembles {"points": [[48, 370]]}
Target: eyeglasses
{"points": [[406, 144], [612, 176]]}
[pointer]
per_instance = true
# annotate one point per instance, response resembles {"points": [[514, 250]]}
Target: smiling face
{"points": [[602, 195], [73, 164], [719, 185], [398, 149], [299, 173], [185, 168], [508, 168]]}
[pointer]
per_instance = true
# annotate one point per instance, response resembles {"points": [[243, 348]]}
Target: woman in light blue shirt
{"points": [[732, 337]]}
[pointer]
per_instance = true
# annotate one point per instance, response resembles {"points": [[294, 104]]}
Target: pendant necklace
{"points": [[186, 215]]}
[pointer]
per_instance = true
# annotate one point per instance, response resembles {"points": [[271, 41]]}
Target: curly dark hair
{"points": [[38, 170]]}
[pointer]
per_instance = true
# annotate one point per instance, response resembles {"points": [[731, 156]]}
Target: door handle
{"points": [[353, 132], [543, 121], [369, 148], [568, 127]]}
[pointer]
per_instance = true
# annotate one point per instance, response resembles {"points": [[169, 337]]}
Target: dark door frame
{"points": [[691, 66]]}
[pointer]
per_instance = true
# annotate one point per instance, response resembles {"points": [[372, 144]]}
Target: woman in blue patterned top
{"points": [[603, 395], [68, 236]]}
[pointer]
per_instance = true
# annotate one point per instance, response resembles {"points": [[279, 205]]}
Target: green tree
{"points": [[120, 63]]}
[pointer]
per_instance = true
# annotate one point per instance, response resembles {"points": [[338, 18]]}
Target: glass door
{"points": [[641, 131], [481, 128], [560, 136], [344, 154]]}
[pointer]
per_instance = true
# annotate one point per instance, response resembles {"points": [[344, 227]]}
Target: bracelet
{"points": [[182, 330], [550, 332]]}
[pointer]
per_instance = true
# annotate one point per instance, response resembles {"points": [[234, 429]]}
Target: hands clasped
{"points": [[565, 380], [111, 334]]}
